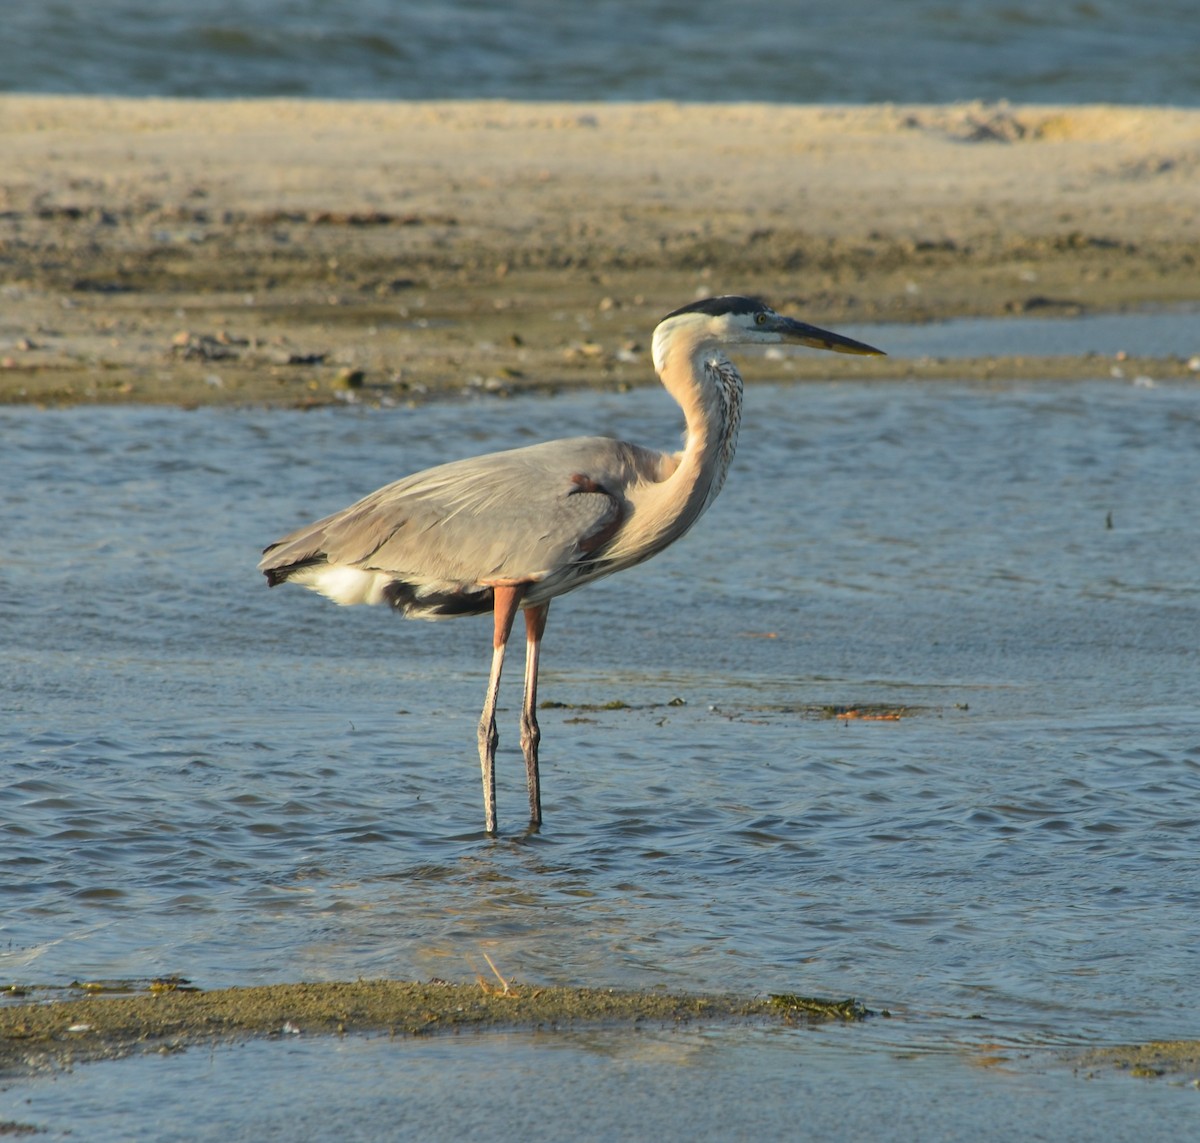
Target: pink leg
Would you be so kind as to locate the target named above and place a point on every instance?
(531, 735)
(507, 600)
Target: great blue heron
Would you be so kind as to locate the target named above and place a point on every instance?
(514, 529)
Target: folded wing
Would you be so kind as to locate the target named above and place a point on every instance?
(437, 542)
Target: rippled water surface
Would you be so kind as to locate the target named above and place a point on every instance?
(856, 51)
(239, 785)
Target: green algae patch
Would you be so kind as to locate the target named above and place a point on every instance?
(793, 1007)
(63, 1032)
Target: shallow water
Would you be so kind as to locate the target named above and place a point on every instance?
(206, 778)
(1139, 333)
(724, 1083)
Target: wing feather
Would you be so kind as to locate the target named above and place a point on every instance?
(514, 516)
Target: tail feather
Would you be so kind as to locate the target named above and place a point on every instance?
(278, 571)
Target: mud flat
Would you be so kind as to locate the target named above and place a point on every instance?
(169, 1018)
(294, 252)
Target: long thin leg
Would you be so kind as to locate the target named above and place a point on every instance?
(506, 602)
(531, 735)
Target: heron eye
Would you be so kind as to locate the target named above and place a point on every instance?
(761, 319)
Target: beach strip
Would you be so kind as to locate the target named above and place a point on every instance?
(292, 252)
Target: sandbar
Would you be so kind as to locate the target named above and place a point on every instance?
(295, 253)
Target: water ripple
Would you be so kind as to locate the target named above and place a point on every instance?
(206, 778)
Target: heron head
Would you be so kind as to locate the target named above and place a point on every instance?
(736, 320)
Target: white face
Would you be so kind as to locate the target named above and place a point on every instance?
(761, 327)
(698, 330)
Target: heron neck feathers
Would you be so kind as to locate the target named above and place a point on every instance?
(708, 389)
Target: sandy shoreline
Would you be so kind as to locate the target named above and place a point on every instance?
(284, 251)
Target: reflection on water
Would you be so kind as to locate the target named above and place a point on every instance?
(207, 778)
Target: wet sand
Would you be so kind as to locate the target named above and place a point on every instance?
(1171, 1058)
(287, 252)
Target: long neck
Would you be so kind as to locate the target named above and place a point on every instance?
(709, 391)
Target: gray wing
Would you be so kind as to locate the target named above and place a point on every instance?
(507, 517)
